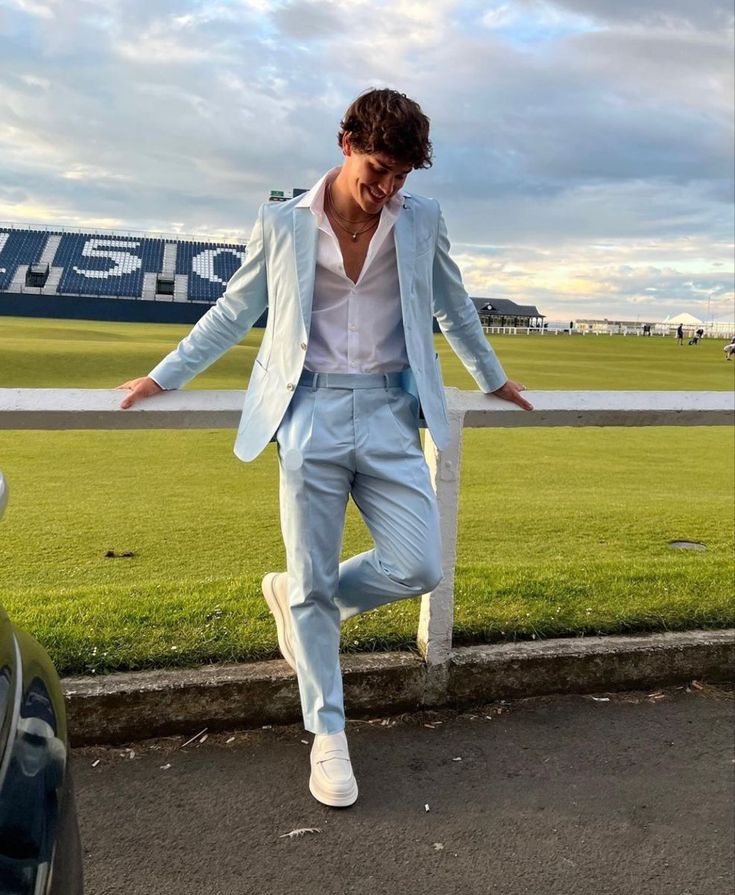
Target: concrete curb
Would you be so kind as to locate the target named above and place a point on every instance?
(132, 706)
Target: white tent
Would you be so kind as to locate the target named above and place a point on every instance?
(722, 329)
(685, 319)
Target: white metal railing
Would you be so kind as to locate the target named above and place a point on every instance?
(201, 409)
(711, 331)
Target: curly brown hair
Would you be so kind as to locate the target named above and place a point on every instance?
(388, 122)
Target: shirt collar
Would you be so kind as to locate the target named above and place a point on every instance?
(314, 199)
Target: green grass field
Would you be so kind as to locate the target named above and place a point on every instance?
(563, 532)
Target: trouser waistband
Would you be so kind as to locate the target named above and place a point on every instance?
(350, 380)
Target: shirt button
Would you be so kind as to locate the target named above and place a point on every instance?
(290, 386)
(352, 327)
(303, 346)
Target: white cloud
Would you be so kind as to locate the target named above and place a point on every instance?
(583, 147)
(34, 7)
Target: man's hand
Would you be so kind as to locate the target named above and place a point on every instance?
(140, 388)
(511, 391)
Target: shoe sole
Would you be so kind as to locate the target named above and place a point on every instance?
(269, 592)
(333, 801)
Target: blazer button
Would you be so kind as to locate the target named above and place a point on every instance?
(290, 386)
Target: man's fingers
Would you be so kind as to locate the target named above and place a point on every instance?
(511, 391)
(130, 399)
(138, 388)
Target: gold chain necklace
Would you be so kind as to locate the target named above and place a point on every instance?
(339, 219)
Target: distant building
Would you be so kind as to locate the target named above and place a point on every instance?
(718, 329)
(603, 325)
(504, 312)
(285, 195)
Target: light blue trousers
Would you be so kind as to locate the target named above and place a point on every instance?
(333, 443)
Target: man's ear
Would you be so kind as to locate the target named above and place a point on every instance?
(346, 144)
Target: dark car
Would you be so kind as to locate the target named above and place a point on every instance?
(40, 851)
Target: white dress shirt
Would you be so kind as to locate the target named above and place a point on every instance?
(355, 327)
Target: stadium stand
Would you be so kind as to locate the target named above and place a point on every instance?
(96, 265)
(19, 247)
(209, 267)
(112, 276)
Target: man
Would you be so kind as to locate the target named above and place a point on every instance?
(352, 274)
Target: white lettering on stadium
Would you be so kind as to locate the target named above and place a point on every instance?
(3, 240)
(125, 262)
(203, 263)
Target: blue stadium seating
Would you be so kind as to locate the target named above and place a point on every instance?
(106, 265)
(102, 275)
(20, 247)
(209, 266)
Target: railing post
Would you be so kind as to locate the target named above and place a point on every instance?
(437, 608)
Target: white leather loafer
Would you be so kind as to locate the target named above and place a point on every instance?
(332, 781)
(275, 591)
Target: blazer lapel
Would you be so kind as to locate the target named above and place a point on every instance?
(405, 252)
(305, 242)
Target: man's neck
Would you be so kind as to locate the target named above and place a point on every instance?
(342, 201)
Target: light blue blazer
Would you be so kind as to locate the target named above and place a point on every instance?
(278, 274)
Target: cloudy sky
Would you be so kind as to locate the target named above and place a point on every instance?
(583, 148)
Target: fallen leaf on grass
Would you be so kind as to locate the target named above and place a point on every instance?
(300, 832)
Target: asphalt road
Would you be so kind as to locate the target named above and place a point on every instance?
(569, 795)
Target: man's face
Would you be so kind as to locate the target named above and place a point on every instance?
(372, 178)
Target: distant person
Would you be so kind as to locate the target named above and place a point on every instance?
(352, 274)
(680, 334)
(696, 337)
(729, 349)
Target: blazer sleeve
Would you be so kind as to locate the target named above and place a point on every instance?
(458, 318)
(227, 322)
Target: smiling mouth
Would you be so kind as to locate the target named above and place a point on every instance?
(374, 196)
